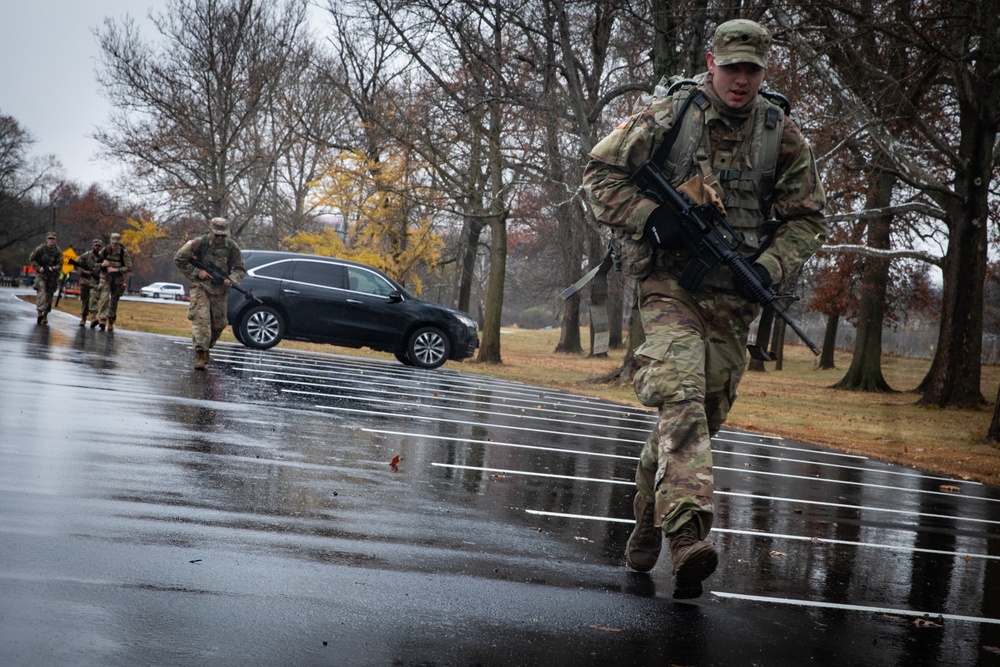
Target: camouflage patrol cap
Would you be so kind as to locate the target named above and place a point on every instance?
(741, 41)
(116, 237)
(219, 226)
(50, 235)
(98, 242)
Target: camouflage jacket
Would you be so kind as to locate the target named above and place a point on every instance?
(46, 261)
(116, 257)
(226, 256)
(798, 197)
(89, 261)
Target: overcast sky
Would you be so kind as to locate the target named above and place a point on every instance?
(48, 52)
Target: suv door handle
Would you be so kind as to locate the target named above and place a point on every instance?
(355, 301)
(290, 291)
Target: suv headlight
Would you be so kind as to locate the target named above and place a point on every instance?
(467, 321)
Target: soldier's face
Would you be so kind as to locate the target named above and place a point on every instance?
(735, 84)
(50, 243)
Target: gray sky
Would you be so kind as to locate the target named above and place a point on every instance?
(48, 52)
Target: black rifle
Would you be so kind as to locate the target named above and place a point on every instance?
(218, 277)
(699, 226)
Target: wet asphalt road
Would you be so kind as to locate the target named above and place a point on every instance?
(248, 515)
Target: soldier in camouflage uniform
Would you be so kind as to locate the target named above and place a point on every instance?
(207, 311)
(115, 265)
(90, 277)
(47, 260)
(695, 349)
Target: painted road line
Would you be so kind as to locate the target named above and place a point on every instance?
(783, 536)
(930, 615)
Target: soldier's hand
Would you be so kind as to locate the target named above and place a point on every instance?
(744, 291)
(663, 229)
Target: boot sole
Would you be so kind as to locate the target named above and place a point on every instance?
(694, 568)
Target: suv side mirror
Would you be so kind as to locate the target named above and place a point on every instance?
(395, 296)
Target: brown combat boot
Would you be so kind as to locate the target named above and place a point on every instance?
(93, 324)
(103, 324)
(200, 359)
(644, 544)
(83, 321)
(694, 560)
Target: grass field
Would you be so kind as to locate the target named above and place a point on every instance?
(796, 402)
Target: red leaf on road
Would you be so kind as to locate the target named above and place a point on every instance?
(394, 463)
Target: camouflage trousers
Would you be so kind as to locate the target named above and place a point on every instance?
(690, 366)
(44, 290)
(90, 300)
(208, 315)
(111, 291)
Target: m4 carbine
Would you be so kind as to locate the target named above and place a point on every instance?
(218, 277)
(699, 226)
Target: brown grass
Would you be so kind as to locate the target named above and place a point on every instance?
(795, 403)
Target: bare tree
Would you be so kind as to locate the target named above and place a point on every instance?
(193, 109)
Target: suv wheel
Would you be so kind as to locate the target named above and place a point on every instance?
(262, 327)
(403, 359)
(428, 347)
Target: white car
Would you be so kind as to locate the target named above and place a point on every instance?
(169, 291)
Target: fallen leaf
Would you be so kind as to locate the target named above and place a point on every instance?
(606, 628)
(925, 623)
(778, 553)
(992, 649)
(948, 488)
(394, 464)
(967, 559)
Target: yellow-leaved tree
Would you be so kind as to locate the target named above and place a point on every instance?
(139, 241)
(383, 217)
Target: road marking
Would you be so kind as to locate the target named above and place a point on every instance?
(501, 444)
(865, 508)
(797, 538)
(864, 484)
(930, 615)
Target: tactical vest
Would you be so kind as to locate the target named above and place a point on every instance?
(743, 164)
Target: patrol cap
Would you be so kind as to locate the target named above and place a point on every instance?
(219, 226)
(50, 235)
(741, 41)
(115, 237)
(98, 242)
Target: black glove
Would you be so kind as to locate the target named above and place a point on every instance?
(744, 290)
(663, 229)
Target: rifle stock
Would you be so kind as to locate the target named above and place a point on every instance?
(699, 226)
(218, 277)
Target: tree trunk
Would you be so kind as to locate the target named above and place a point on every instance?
(865, 372)
(829, 343)
(616, 303)
(956, 371)
(778, 344)
(489, 345)
(471, 231)
(993, 434)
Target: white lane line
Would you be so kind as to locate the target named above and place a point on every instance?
(835, 465)
(860, 508)
(480, 383)
(783, 536)
(410, 415)
(501, 471)
(498, 443)
(865, 508)
(439, 397)
(931, 615)
(786, 448)
(747, 471)
(510, 415)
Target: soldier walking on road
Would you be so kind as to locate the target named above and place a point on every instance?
(90, 281)
(47, 260)
(209, 299)
(115, 265)
(733, 144)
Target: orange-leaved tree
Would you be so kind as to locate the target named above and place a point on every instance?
(383, 216)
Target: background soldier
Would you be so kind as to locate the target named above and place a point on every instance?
(47, 260)
(208, 308)
(90, 281)
(695, 349)
(115, 265)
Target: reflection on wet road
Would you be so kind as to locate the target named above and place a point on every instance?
(250, 515)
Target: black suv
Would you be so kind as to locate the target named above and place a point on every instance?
(326, 300)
